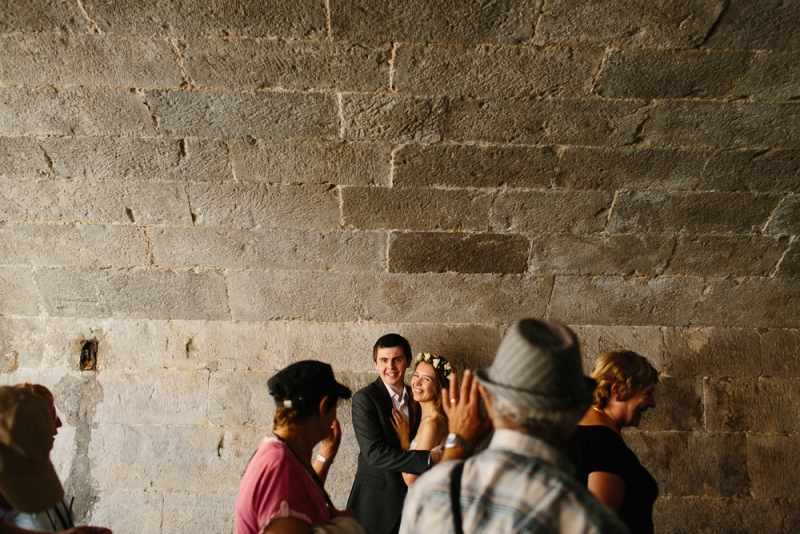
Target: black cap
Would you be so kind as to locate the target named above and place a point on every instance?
(305, 383)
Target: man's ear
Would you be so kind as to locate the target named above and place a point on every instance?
(615, 392)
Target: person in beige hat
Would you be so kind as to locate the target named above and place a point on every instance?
(534, 393)
(28, 480)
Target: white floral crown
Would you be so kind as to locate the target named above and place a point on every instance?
(439, 364)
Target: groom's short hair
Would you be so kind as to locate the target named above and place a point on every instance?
(392, 340)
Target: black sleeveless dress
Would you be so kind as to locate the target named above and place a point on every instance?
(598, 448)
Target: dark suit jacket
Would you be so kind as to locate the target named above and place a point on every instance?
(379, 489)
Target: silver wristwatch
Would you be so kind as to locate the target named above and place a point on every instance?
(454, 440)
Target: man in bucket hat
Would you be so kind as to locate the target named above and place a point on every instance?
(534, 392)
(28, 481)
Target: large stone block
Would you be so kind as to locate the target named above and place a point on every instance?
(630, 168)
(73, 111)
(762, 405)
(285, 18)
(81, 245)
(749, 303)
(632, 23)
(474, 166)
(691, 213)
(212, 345)
(189, 458)
(464, 346)
(129, 513)
(694, 463)
(134, 293)
(153, 397)
(355, 382)
(346, 346)
(789, 266)
(769, 24)
(18, 295)
(452, 298)
(713, 255)
(42, 15)
(771, 459)
(737, 124)
(22, 157)
(281, 295)
(645, 340)
(772, 76)
(9, 356)
(494, 71)
(415, 209)
(672, 74)
(791, 519)
(238, 398)
(780, 353)
(138, 159)
(55, 343)
(545, 121)
(459, 21)
(392, 119)
(679, 406)
(261, 248)
(261, 114)
(753, 170)
(259, 64)
(737, 515)
(623, 301)
(701, 352)
(421, 252)
(786, 219)
(208, 513)
(578, 212)
(269, 206)
(310, 162)
(340, 477)
(642, 255)
(88, 60)
(426, 298)
(101, 202)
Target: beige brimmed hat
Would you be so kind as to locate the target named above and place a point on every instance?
(28, 480)
(538, 365)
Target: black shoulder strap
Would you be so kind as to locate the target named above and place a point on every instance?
(455, 496)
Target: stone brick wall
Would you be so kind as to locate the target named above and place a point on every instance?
(213, 189)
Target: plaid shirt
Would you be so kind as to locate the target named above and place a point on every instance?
(519, 484)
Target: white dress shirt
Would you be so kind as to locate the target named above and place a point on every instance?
(400, 402)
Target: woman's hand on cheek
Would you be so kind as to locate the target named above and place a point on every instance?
(330, 445)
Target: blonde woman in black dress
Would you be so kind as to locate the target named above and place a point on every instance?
(610, 470)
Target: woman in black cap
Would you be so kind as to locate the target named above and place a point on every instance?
(611, 471)
(281, 490)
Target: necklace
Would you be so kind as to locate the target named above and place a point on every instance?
(598, 410)
(310, 472)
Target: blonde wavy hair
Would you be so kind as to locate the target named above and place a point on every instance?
(39, 390)
(629, 371)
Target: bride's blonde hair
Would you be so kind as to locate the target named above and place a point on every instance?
(442, 373)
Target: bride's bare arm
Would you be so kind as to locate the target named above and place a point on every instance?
(428, 436)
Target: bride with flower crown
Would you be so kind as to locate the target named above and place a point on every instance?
(431, 374)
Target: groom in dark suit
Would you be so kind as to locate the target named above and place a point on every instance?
(379, 489)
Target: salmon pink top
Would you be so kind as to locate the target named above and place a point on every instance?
(275, 484)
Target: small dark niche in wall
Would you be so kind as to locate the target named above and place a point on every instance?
(89, 356)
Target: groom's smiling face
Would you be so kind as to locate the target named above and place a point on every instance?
(391, 364)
